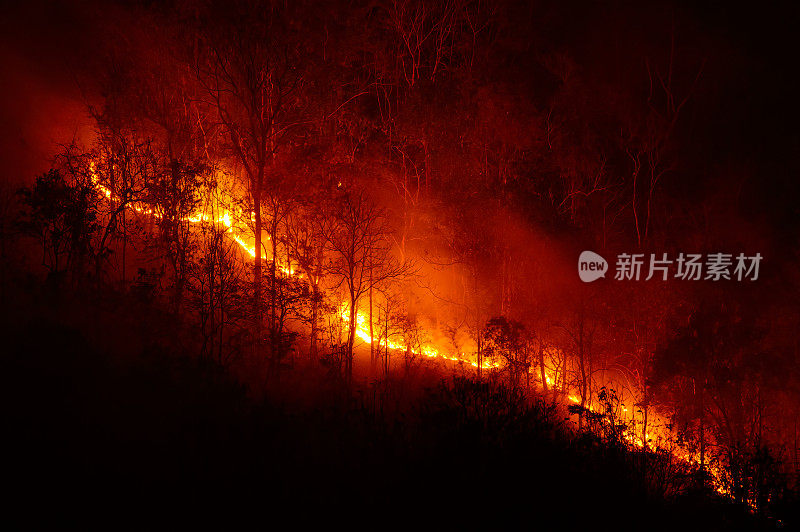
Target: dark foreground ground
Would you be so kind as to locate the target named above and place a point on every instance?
(110, 421)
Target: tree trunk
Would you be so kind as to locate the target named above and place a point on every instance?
(372, 360)
(257, 315)
(313, 343)
(387, 359)
(702, 436)
(582, 367)
(273, 274)
(351, 340)
(644, 426)
(480, 362)
(541, 368)
(257, 257)
(124, 246)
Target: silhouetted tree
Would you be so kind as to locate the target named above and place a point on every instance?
(360, 256)
(62, 215)
(507, 338)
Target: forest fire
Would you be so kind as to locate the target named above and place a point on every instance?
(242, 236)
(661, 439)
(362, 330)
(301, 257)
(200, 215)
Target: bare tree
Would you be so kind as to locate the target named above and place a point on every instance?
(648, 137)
(430, 34)
(163, 96)
(120, 167)
(358, 239)
(216, 281)
(247, 70)
(581, 330)
(304, 239)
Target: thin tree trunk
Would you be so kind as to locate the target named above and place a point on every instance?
(702, 435)
(351, 339)
(313, 344)
(541, 368)
(372, 360)
(124, 245)
(257, 258)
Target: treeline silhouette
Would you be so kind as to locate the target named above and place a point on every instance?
(112, 419)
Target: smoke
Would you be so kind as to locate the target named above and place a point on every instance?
(45, 48)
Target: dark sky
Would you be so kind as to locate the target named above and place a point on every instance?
(43, 53)
(750, 115)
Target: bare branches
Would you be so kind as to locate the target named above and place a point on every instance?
(360, 255)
